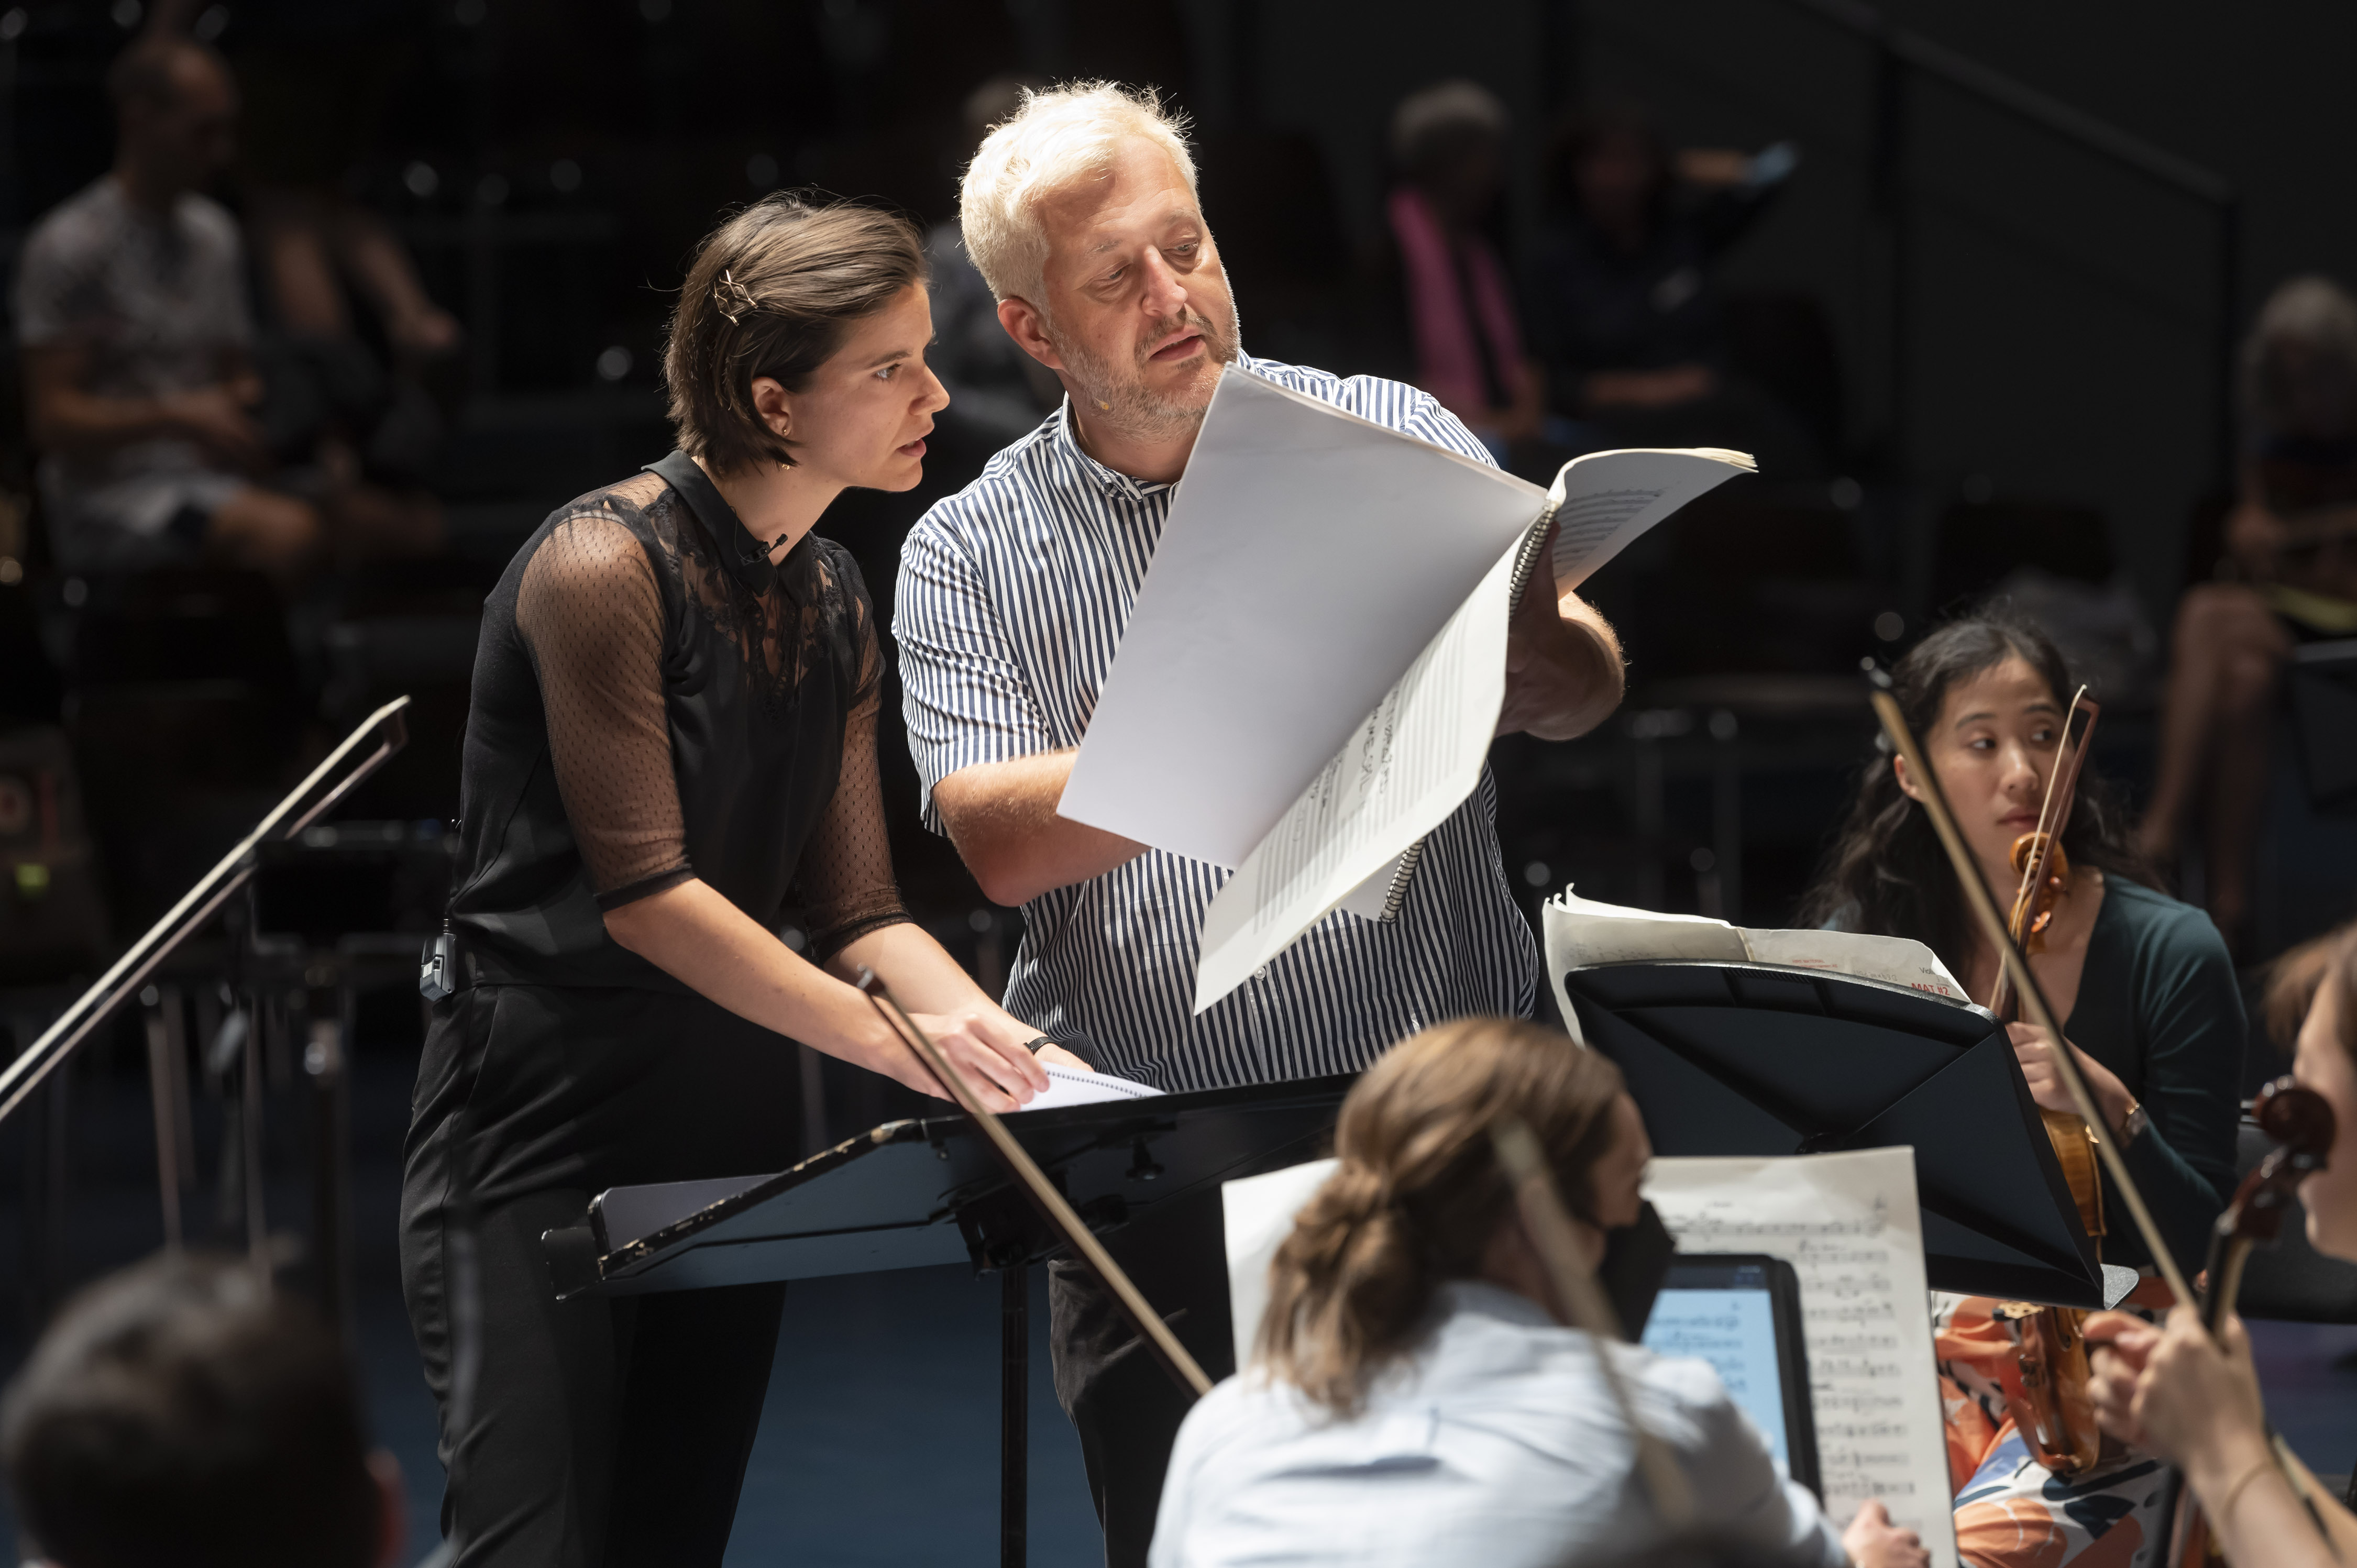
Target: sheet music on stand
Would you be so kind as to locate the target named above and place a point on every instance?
(1849, 1225)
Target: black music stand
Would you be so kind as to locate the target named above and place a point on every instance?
(912, 1194)
(1729, 1058)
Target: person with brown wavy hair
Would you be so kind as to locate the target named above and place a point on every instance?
(1415, 1397)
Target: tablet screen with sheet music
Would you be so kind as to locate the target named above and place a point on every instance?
(1742, 1313)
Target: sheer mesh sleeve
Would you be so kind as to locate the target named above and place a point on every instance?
(592, 618)
(846, 868)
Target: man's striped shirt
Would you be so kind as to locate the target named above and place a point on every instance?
(1012, 595)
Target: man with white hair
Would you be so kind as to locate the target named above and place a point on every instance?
(1081, 211)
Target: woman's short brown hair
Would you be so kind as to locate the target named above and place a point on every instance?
(2300, 974)
(772, 293)
(1419, 1193)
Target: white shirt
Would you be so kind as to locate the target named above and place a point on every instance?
(1498, 1445)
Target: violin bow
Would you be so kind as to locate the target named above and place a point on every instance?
(2053, 815)
(1548, 1225)
(1183, 1367)
(2016, 966)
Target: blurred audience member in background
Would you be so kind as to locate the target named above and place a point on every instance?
(1463, 336)
(141, 384)
(314, 80)
(1625, 314)
(2291, 576)
(181, 1415)
(131, 307)
(997, 393)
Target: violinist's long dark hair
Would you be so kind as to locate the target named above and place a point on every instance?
(1886, 874)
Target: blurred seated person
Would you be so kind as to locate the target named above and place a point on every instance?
(181, 1415)
(314, 83)
(1450, 290)
(140, 384)
(2289, 576)
(1415, 1397)
(1625, 313)
(997, 393)
(373, 421)
(2195, 1401)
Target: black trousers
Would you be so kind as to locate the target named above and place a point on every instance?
(1126, 1407)
(602, 1430)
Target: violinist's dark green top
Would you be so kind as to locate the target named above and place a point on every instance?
(2158, 1005)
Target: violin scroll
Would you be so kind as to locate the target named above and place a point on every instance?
(2298, 1119)
(2301, 1122)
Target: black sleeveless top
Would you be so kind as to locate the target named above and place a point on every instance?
(654, 700)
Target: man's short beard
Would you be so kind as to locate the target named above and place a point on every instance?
(1120, 396)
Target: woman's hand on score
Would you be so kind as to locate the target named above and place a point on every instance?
(1872, 1540)
(991, 1048)
(1053, 1055)
(2033, 1048)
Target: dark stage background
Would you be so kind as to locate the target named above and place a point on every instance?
(1992, 314)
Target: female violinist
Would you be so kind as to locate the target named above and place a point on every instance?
(2151, 1013)
(2195, 1401)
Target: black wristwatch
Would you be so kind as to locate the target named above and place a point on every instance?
(2133, 1125)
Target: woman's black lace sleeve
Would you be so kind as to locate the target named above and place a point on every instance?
(847, 869)
(592, 618)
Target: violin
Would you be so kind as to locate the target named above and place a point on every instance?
(2054, 1410)
(2300, 1122)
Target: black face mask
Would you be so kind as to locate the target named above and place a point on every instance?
(1636, 1260)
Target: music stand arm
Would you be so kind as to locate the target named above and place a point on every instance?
(1182, 1367)
(195, 907)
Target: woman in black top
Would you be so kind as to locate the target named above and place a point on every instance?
(671, 746)
(2149, 1007)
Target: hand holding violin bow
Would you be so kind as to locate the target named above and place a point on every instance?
(2188, 1392)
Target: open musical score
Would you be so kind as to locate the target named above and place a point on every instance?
(1849, 1226)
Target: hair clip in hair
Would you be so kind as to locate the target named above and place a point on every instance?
(732, 298)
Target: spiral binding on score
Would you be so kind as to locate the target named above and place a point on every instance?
(1398, 894)
(1527, 562)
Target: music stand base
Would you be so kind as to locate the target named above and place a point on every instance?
(1013, 1413)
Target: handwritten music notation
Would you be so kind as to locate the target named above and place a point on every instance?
(1848, 1225)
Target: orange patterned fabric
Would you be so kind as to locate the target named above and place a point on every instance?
(2011, 1512)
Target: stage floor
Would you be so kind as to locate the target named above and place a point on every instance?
(880, 1444)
